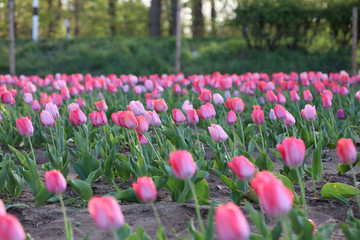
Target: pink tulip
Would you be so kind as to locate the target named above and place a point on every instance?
(280, 112)
(6, 97)
(326, 100)
(307, 96)
(55, 181)
(106, 213)
(25, 126)
(309, 112)
(72, 106)
(101, 106)
(28, 98)
(235, 104)
(160, 105)
(81, 102)
(257, 115)
(56, 99)
(346, 151)
(77, 117)
(314, 228)
(294, 97)
(2, 208)
(47, 119)
(44, 101)
(230, 223)
(343, 91)
(152, 118)
(35, 105)
(272, 115)
(204, 112)
(177, 89)
(145, 189)
(187, 106)
(292, 151)
(137, 90)
(65, 94)
(10, 228)
(192, 116)
(52, 108)
(182, 164)
(274, 196)
(217, 133)
(271, 97)
(357, 95)
(231, 118)
(150, 104)
(242, 167)
(205, 96)
(98, 119)
(218, 99)
(340, 114)
(178, 116)
(281, 99)
(137, 108)
(142, 125)
(289, 119)
(143, 140)
(212, 109)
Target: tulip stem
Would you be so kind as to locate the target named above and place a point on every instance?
(314, 186)
(242, 131)
(332, 118)
(356, 185)
(127, 132)
(227, 153)
(287, 131)
(158, 137)
(156, 213)
(52, 137)
(286, 227)
(314, 133)
(302, 190)
(87, 137)
(152, 146)
(262, 139)
(233, 128)
(102, 130)
(197, 135)
(67, 224)
(196, 205)
(32, 150)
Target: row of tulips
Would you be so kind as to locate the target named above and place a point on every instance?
(153, 136)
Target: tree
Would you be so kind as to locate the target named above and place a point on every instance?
(154, 20)
(112, 15)
(198, 19)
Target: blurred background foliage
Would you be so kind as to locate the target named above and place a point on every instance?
(113, 36)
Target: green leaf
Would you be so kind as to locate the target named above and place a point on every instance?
(264, 162)
(350, 232)
(127, 195)
(19, 205)
(289, 185)
(257, 219)
(82, 188)
(343, 168)
(276, 231)
(338, 189)
(210, 223)
(42, 196)
(124, 232)
(160, 233)
(324, 232)
(140, 234)
(3, 175)
(316, 164)
(202, 190)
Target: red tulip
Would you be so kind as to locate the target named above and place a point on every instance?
(128, 120)
(52, 108)
(182, 164)
(160, 105)
(145, 189)
(137, 108)
(152, 118)
(77, 117)
(25, 126)
(142, 125)
(343, 91)
(10, 228)
(44, 101)
(235, 104)
(143, 140)
(309, 112)
(294, 97)
(242, 167)
(217, 133)
(55, 181)
(101, 106)
(205, 96)
(346, 150)
(106, 213)
(258, 115)
(231, 118)
(307, 96)
(326, 100)
(178, 116)
(35, 105)
(192, 116)
(6, 97)
(47, 119)
(280, 112)
(292, 151)
(274, 196)
(98, 119)
(271, 97)
(230, 223)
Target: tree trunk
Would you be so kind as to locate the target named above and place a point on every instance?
(112, 15)
(77, 13)
(173, 17)
(213, 18)
(12, 38)
(51, 19)
(154, 20)
(198, 19)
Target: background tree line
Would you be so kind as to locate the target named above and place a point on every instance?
(262, 23)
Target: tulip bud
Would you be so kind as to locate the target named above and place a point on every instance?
(55, 181)
(160, 105)
(178, 116)
(346, 151)
(217, 133)
(145, 189)
(182, 164)
(242, 167)
(192, 116)
(10, 228)
(231, 118)
(309, 112)
(292, 151)
(47, 119)
(25, 126)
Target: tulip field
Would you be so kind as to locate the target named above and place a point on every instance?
(216, 156)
